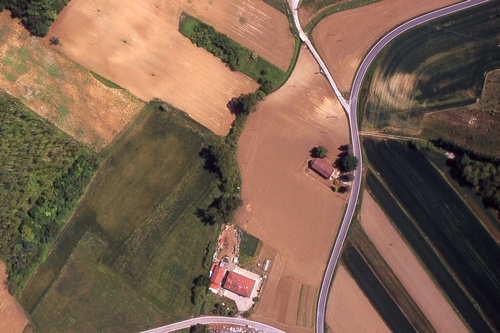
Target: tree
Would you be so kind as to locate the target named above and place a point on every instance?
(54, 40)
(320, 152)
(349, 163)
(199, 328)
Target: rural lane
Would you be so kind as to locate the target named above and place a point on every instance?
(351, 111)
(259, 327)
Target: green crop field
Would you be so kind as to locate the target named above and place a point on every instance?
(71, 301)
(142, 204)
(435, 66)
(469, 251)
(375, 291)
(249, 245)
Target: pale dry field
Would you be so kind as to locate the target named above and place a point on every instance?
(407, 268)
(60, 90)
(137, 45)
(286, 205)
(12, 318)
(344, 38)
(349, 310)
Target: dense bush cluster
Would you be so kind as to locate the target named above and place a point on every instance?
(43, 172)
(37, 16)
(477, 170)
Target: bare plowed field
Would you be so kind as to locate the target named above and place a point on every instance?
(138, 46)
(408, 269)
(60, 90)
(344, 38)
(12, 318)
(286, 205)
(349, 310)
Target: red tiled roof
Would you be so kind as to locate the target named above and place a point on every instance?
(239, 284)
(217, 276)
(322, 167)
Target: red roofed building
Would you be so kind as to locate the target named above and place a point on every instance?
(217, 276)
(239, 284)
(323, 168)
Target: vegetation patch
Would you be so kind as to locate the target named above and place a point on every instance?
(437, 213)
(435, 66)
(249, 245)
(143, 204)
(233, 54)
(43, 174)
(375, 291)
(105, 81)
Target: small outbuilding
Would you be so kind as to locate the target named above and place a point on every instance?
(239, 284)
(216, 278)
(323, 168)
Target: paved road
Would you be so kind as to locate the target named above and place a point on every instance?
(350, 109)
(215, 320)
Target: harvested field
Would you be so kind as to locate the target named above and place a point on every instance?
(108, 37)
(60, 90)
(343, 44)
(286, 205)
(408, 269)
(349, 310)
(12, 318)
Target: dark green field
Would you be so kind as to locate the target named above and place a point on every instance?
(249, 245)
(445, 62)
(470, 252)
(375, 292)
(142, 205)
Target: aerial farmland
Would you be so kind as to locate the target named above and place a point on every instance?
(252, 165)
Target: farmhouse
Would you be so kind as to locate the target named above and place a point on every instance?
(239, 284)
(323, 168)
(216, 278)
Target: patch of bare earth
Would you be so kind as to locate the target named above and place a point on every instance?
(58, 89)
(289, 207)
(345, 37)
(138, 46)
(408, 269)
(12, 317)
(349, 310)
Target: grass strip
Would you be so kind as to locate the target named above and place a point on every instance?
(388, 279)
(375, 291)
(335, 9)
(105, 81)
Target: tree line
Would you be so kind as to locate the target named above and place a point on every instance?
(43, 173)
(36, 16)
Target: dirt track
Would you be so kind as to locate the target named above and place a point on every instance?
(345, 37)
(12, 318)
(408, 269)
(349, 310)
(286, 205)
(137, 45)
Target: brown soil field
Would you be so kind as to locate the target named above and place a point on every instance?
(307, 13)
(349, 310)
(408, 269)
(12, 318)
(345, 37)
(286, 205)
(60, 90)
(138, 46)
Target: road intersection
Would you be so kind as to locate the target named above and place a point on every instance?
(350, 108)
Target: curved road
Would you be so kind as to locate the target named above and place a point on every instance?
(350, 108)
(215, 320)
